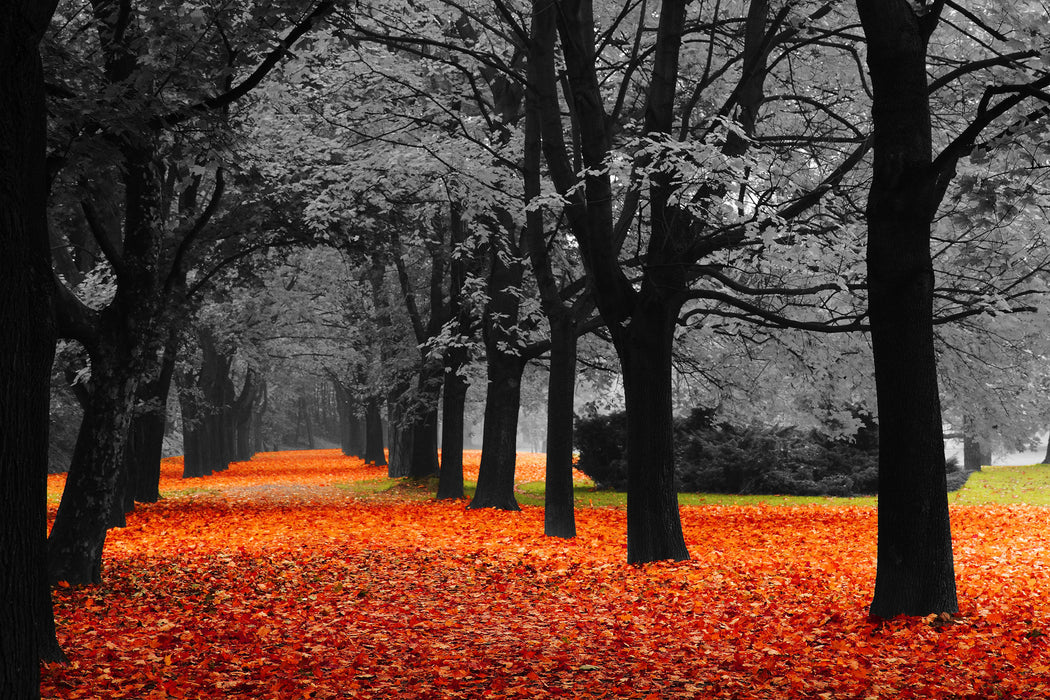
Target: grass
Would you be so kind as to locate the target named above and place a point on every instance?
(587, 496)
(1006, 485)
(994, 485)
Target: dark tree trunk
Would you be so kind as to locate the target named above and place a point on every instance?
(308, 424)
(915, 573)
(27, 628)
(241, 411)
(358, 435)
(654, 529)
(209, 441)
(258, 411)
(346, 417)
(146, 438)
(499, 439)
(84, 513)
(641, 321)
(973, 455)
(424, 461)
(454, 393)
(976, 448)
(400, 434)
(559, 518)
(503, 394)
(453, 402)
(374, 453)
(192, 428)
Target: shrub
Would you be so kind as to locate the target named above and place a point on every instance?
(723, 458)
(602, 444)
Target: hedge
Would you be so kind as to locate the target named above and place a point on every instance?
(715, 457)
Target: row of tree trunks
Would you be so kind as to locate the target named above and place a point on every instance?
(216, 423)
(124, 340)
(360, 425)
(89, 499)
(26, 286)
(374, 452)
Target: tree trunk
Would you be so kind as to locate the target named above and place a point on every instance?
(374, 453)
(304, 411)
(400, 434)
(424, 461)
(27, 628)
(915, 573)
(559, 518)
(976, 451)
(241, 411)
(499, 440)
(79, 532)
(192, 428)
(146, 438)
(453, 402)
(654, 529)
(559, 504)
(342, 405)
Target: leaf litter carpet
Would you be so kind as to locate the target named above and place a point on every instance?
(269, 581)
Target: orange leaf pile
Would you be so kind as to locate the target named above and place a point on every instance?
(275, 593)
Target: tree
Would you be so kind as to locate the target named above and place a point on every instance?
(682, 196)
(26, 618)
(127, 219)
(915, 574)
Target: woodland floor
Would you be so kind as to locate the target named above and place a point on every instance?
(295, 576)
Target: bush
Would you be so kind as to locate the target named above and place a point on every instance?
(722, 458)
(604, 457)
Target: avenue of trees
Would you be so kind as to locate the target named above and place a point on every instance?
(388, 222)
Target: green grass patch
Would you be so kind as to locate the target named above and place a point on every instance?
(190, 492)
(1006, 485)
(994, 485)
(411, 489)
(588, 496)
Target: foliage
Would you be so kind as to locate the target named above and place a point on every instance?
(229, 596)
(726, 458)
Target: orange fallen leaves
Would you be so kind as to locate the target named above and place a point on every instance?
(216, 596)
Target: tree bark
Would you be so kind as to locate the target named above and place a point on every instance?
(499, 439)
(374, 453)
(27, 629)
(241, 411)
(654, 529)
(424, 460)
(192, 427)
(146, 438)
(501, 335)
(453, 403)
(342, 404)
(454, 393)
(85, 511)
(559, 517)
(400, 433)
(915, 572)
(976, 448)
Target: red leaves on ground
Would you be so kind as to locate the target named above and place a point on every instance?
(293, 596)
